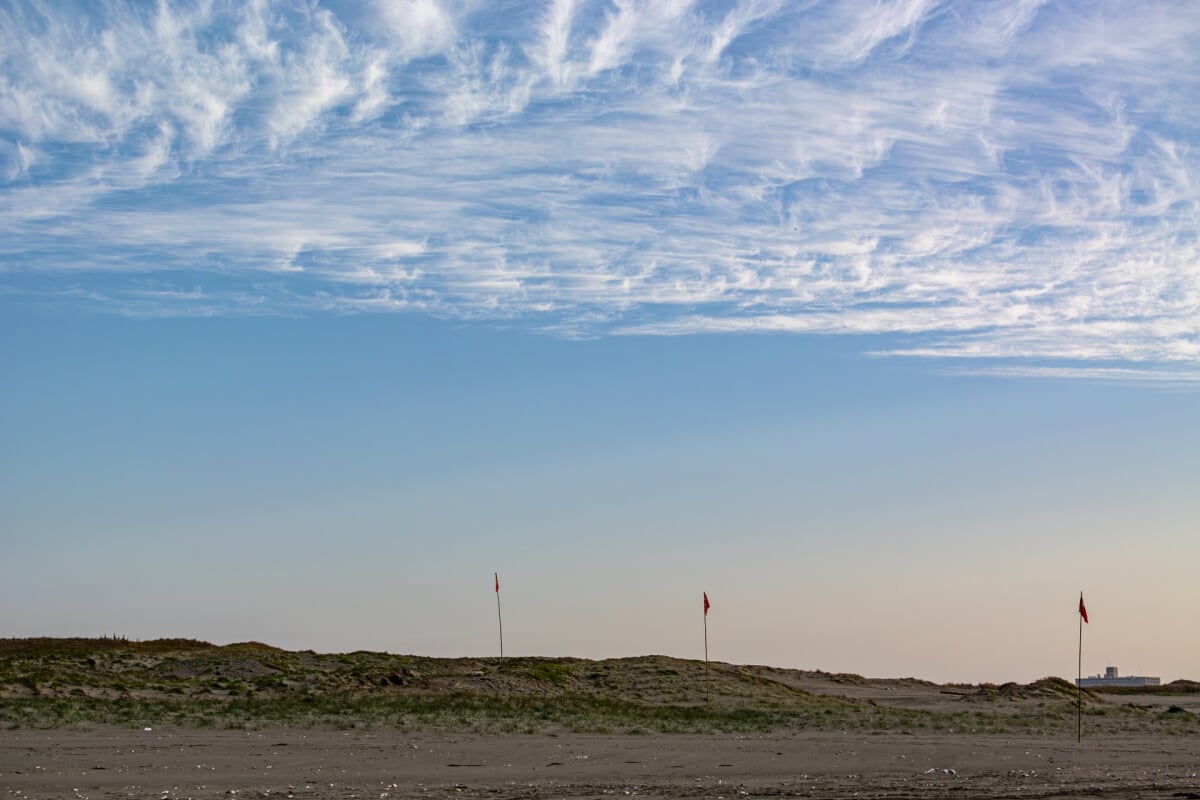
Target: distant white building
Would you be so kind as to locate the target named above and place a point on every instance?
(1110, 678)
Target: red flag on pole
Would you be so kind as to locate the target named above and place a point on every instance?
(497, 583)
(1082, 608)
(706, 604)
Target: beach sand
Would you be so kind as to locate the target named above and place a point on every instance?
(328, 763)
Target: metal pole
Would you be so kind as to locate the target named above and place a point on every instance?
(1079, 683)
(499, 618)
(707, 680)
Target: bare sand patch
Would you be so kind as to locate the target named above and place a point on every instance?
(324, 763)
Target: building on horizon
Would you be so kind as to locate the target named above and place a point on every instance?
(1110, 678)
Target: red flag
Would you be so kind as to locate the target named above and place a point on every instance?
(1082, 608)
(706, 604)
(497, 583)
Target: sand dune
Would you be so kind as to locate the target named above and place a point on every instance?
(179, 718)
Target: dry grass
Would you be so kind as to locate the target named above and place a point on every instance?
(49, 683)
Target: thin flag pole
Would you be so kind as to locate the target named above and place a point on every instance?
(1079, 685)
(707, 679)
(499, 618)
(1079, 674)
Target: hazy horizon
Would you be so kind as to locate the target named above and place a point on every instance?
(879, 322)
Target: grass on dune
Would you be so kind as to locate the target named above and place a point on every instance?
(55, 683)
(574, 713)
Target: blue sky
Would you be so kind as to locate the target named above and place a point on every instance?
(877, 320)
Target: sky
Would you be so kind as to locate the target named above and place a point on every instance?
(877, 321)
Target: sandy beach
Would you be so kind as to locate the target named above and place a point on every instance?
(106, 763)
(182, 719)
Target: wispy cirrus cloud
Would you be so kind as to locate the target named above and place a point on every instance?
(1012, 180)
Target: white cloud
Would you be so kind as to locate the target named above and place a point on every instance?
(552, 49)
(868, 24)
(736, 22)
(610, 47)
(1019, 180)
(417, 28)
(374, 97)
(1187, 378)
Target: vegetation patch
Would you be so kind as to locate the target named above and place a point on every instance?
(56, 683)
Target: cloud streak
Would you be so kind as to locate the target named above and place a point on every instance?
(1013, 180)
